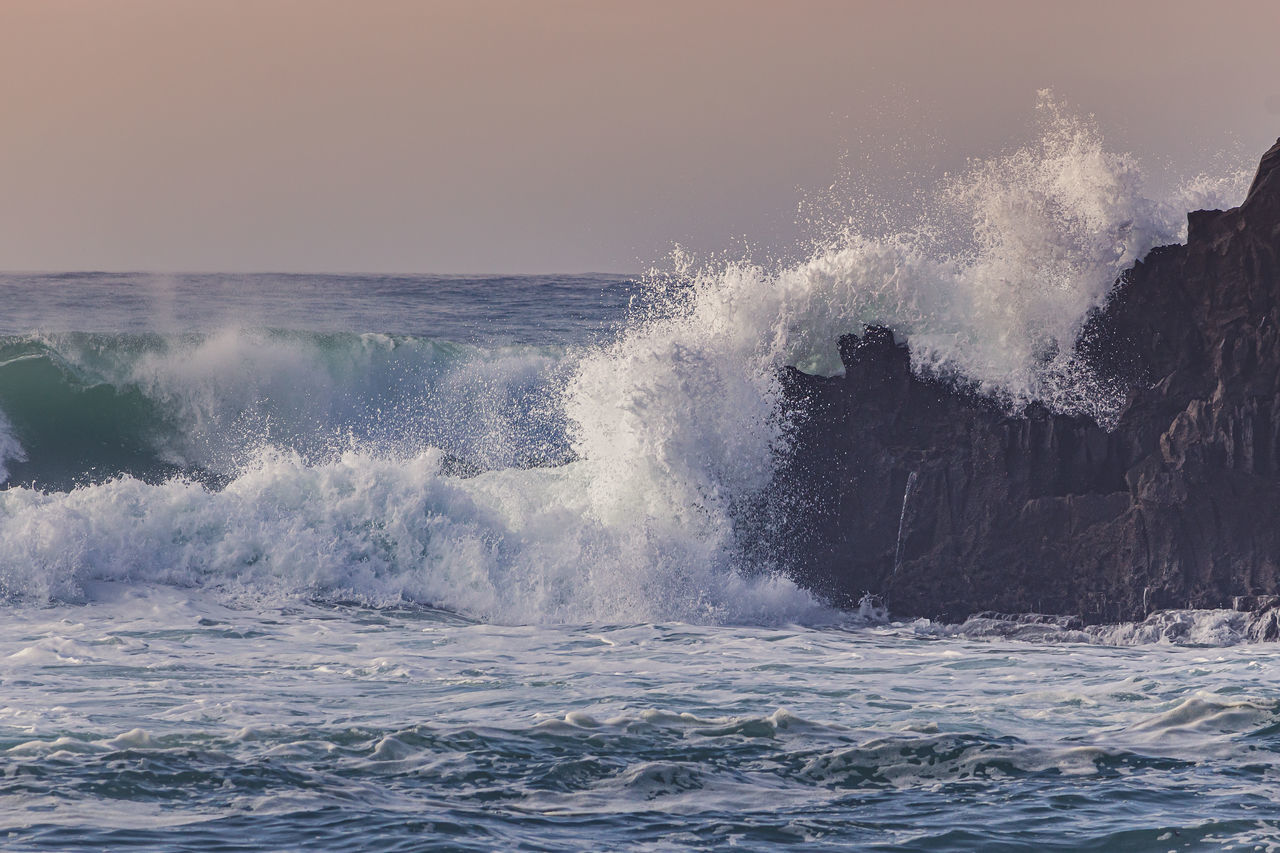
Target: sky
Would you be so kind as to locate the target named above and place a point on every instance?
(499, 136)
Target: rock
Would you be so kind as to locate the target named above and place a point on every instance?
(1254, 603)
(945, 505)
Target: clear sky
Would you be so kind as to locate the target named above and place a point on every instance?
(556, 135)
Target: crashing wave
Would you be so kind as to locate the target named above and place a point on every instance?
(332, 451)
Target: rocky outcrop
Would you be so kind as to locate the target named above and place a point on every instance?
(946, 505)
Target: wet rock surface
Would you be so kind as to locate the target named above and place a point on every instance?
(946, 505)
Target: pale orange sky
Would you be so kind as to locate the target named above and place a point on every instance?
(552, 135)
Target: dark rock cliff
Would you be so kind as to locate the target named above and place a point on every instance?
(945, 505)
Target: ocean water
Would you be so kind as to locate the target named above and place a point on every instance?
(481, 563)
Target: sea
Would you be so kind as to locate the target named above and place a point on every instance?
(422, 562)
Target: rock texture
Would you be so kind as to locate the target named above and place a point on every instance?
(945, 505)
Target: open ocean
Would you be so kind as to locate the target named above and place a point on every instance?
(423, 562)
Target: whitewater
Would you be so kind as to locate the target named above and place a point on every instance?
(394, 562)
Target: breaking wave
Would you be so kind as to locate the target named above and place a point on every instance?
(605, 482)
(82, 407)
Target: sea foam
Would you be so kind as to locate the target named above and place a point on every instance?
(10, 448)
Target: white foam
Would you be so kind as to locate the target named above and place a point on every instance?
(993, 287)
(1165, 627)
(510, 545)
(11, 449)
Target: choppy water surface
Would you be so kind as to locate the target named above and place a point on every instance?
(155, 718)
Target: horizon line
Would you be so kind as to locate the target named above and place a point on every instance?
(335, 273)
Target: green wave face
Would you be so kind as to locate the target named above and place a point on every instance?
(70, 431)
(79, 408)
